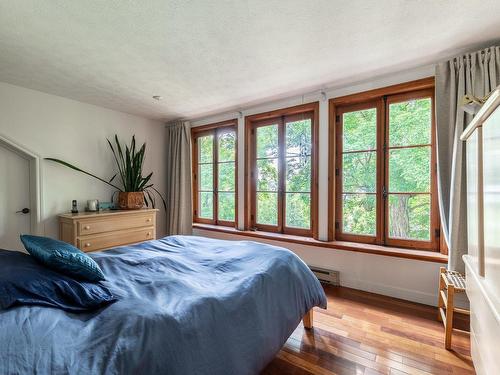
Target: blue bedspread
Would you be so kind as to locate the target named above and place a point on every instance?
(187, 305)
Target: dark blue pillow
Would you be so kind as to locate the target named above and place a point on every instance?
(23, 281)
(62, 257)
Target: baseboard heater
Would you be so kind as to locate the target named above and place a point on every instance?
(326, 276)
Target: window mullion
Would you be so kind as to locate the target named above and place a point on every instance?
(215, 176)
(281, 175)
(384, 129)
(196, 198)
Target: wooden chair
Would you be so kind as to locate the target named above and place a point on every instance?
(450, 282)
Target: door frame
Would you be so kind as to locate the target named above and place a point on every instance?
(35, 182)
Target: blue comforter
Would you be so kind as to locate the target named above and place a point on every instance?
(187, 305)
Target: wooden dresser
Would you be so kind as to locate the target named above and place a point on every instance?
(91, 231)
(482, 263)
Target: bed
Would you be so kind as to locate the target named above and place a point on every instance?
(187, 305)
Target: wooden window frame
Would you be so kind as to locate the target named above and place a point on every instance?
(379, 99)
(213, 129)
(253, 121)
(377, 239)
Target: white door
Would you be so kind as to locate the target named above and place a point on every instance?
(14, 198)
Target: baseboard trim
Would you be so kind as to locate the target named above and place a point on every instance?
(390, 290)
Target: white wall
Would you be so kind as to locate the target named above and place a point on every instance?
(401, 278)
(52, 126)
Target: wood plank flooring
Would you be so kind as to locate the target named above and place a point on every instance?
(365, 333)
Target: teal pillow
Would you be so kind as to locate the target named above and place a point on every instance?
(62, 257)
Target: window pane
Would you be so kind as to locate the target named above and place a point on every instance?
(206, 149)
(267, 208)
(226, 208)
(359, 170)
(267, 141)
(226, 180)
(298, 174)
(409, 216)
(298, 138)
(227, 146)
(360, 130)
(206, 173)
(206, 206)
(410, 170)
(359, 214)
(267, 175)
(410, 122)
(298, 210)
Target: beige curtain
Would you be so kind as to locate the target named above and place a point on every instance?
(178, 194)
(476, 73)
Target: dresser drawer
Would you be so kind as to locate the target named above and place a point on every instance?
(103, 241)
(91, 231)
(119, 222)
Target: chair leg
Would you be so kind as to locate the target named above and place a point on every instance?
(449, 316)
(441, 287)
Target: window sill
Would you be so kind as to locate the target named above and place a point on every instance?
(424, 255)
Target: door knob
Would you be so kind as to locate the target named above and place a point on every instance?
(23, 211)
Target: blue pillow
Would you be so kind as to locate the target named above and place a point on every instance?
(23, 281)
(62, 257)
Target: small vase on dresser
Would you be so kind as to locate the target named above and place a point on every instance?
(91, 231)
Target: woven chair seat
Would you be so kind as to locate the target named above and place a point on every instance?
(456, 279)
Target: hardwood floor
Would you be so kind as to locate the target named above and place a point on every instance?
(365, 333)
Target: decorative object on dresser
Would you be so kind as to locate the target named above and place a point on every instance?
(482, 263)
(136, 189)
(91, 231)
(93, 205)
(107, 206)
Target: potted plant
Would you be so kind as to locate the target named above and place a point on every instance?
(136, 189)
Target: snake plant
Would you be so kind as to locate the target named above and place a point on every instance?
(129, 161)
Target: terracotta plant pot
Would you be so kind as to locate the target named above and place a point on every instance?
(130, 200)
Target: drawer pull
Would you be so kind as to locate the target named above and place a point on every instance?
(148, 220)
(86, 227)
(148, 234)
(87, 244)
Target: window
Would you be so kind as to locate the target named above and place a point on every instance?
(385, 174)
(215, 174)
(282, 176)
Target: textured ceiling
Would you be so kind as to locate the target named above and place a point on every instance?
(205, 56)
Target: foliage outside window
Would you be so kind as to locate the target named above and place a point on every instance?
(282, 170)
(214, 173)
(385, 174)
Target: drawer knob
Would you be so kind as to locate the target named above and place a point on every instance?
(87, 244)
(148, 220)
(148, 234)
(86, 227)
